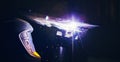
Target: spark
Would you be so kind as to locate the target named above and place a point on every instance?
(71, 26)
(61, 49)
(59, 33)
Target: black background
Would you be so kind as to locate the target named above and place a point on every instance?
(101, 42)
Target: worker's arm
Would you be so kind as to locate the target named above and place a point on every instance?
(26, 38)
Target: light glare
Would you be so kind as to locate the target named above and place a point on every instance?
(71, 27)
